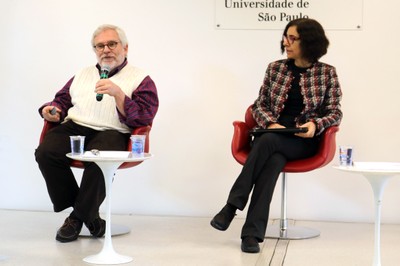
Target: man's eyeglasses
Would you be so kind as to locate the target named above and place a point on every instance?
(290, 39)
(100, 46)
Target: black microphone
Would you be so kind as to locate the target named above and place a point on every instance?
(105, 70)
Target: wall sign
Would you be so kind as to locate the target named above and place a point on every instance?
(275, 14)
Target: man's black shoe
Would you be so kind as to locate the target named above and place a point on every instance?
(97, 227)
(223, 219)
(70, 230)
(250, 245)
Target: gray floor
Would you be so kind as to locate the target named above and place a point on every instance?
(27, 238)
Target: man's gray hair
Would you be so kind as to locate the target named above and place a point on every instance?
(120, 32)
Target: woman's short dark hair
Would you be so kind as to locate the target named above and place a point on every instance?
(313, 41)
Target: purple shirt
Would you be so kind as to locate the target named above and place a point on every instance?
(140, 109)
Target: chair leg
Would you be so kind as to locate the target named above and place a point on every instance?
(284, 231)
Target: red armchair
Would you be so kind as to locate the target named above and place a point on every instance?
(240, 149)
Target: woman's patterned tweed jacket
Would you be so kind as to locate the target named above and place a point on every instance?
(320, 89)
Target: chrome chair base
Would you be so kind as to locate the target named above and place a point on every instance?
(291, 232)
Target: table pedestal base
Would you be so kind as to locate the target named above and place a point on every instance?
(107, 254)
(378, 183)
(107, 257)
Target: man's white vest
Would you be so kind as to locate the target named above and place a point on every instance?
(87, 111)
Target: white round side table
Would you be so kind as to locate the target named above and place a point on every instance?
(377, 174)
(108, 161)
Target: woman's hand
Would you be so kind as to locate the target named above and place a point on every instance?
(275, 125)
(311, 130)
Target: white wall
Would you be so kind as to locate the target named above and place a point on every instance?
(206, 78)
